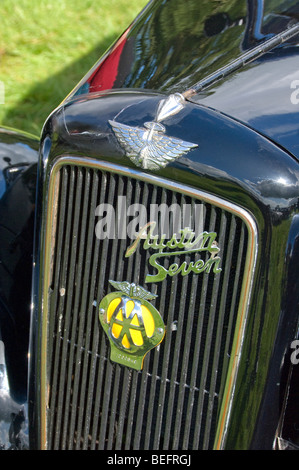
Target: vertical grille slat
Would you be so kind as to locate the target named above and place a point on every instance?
(173, 403)
(85, 304)
(62, 321)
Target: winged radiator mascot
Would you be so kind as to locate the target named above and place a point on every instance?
(148, 147)
(133, 290)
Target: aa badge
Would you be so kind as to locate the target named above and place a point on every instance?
(132, 325)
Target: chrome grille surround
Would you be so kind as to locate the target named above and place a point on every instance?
(115, 399)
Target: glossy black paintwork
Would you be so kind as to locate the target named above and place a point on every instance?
(177, 44)
(174, 43)
(18, 159)
(17, 152)
(289, 378)
(227, 151)
(241, 166)
(268, 105)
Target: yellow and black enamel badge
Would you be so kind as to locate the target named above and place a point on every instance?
(132, 324)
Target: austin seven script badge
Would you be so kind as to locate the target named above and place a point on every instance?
(132, 324)
(148, 147)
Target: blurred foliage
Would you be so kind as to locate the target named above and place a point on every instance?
(47, 46)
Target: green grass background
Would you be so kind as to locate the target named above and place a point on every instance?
(47, 46)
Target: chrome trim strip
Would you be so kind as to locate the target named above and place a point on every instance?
(243, 60)
(49, 230)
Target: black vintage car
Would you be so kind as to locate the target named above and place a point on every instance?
(149, 338)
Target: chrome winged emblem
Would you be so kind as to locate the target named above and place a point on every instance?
(147, 146)
(133, 290)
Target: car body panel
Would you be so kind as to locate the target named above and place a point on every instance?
(239, 165)
(168, 62)
(19, 157)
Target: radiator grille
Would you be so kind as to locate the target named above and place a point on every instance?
(173, 403)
